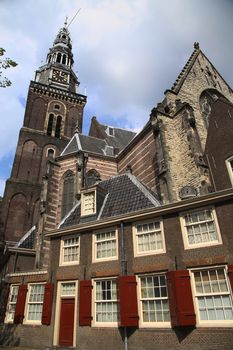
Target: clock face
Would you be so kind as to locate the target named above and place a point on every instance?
(60, 76)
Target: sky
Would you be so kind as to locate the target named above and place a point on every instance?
(126, 52)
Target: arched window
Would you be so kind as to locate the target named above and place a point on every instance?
(206, 101)
(64, 59)
(58, 57)
(58, 126)
(51, 153)
(68, 193)
(50, 125)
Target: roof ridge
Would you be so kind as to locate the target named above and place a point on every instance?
(116, 127)
(68, 214)
(144, 190)
(73, 137)
(25, 236)
(186, 69)
(102, 207)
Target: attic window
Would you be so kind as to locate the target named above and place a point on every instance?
(110, 131)
(88, 203)
(109, 151)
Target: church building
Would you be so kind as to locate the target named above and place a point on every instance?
(118, 240)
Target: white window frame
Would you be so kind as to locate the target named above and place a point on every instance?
(83, 194)
(94, 304)
(229, 168)
(183, 225)
(11, 303)
(26, 320)
(143, 324)
(210, 323)
(59, 297)
(95, 244)
(63, 247)
(136, 234)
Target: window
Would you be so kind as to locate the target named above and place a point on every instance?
(105, 302)
(88, 203)
(68, 289)
(57, 107)
(105, 245)
(10, 312)
(200, 228)
(213, 299)
(69, 250)
(35, 303)
(50, 125)
(58, 126)
(68, 193)
(148, 238)
(154, 306)
(110, 131)
(229, 163)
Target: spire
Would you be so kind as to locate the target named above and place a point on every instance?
(57, 71)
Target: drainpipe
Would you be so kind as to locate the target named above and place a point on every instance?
(123, 272)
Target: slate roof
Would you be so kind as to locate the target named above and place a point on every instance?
(125, 194)
(27, 241)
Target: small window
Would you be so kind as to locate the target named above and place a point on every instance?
(148, 238)
(105, 302)
(50, 125)
(88, 203)
(58, 126)
(110, 131)
(213, 299)
(109, 151)
(64, 59)
(50, 153)
(57, 107)
(68, 289)
(200, 228)
(154, 305)
(105, 245)
(229, 163)
(70, 251)
(35, 303)
(10, 311)
(58, 58)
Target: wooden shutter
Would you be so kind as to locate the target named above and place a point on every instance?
(128, 301)
(47, 304)
(20, 304)
(180, 299)
(230, 275)
(4, 302)
(85, 298)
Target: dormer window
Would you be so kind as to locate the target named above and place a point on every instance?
(88, 203)
(110, 131)
(109, 151)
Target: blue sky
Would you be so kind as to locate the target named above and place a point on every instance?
(127, 53)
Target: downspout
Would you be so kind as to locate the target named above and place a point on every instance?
(124, 272)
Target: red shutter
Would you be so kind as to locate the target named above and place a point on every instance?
(230, 275)
(4, 302)
(85, 291)
(47, 304)
(128, 301)
(180, 299)
(20, 304)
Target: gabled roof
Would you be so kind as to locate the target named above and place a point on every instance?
(119, 138)
(186, 69)
(125, 194)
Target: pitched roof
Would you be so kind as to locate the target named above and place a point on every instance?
(27, 241)
(125, 194)
(115, 137)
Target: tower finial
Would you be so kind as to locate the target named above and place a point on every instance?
(65, 23)
(196, 45)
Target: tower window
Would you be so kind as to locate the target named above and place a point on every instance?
(51, 153)
(57, 107)
(64, 59)
(68, 193)
(58, 58)
(58, 126)
(50, 125)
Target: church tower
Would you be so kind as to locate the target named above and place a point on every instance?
(54, 110)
